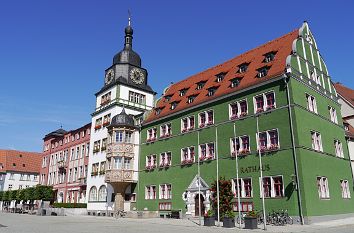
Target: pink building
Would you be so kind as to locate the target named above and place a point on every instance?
(64, 163)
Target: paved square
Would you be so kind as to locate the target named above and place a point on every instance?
(16, 223)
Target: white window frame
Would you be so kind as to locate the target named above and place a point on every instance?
(323, 187)
(241, 150)
(207, 148)
(153, 134)
(344, 184)
(333, 114)
(272, 190)
(316, 137)
(338, 147)
(168, 130)
(151, 196)
(189, 126)
(269, 145)
(239, 112)
(190, 157)
(153, 161)
(207, 122)
(165, 196)
(242, 191)
(265, 106)
(311, 103)
(164, 157)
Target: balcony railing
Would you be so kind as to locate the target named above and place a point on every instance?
(125, 149)
(113, 176)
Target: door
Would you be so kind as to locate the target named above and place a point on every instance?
(196, 213)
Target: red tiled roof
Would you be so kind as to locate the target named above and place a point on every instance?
(350, 132)
(346, 92)
(20, 161)
(255, 57)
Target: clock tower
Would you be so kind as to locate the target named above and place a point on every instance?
(114, 140)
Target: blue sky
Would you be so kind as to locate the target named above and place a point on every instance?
(53, 53)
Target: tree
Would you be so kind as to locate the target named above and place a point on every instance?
(225, 196)
(1, 195)
(20, 195)
(43, 192)
(29, 194)
(5, 196)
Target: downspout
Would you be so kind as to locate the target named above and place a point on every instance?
(286, 80)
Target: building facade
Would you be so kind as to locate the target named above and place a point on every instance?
(64, 163)
(275, 102)
(114, 145)
(346, 99)
(18, 169)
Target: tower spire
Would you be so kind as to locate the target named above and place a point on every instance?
(128, 34)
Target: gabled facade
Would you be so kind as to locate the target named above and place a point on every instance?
(114, 148)
(64, 163)
(276, 101)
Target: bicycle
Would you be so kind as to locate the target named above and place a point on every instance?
(120, 214)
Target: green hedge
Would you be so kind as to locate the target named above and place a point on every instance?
(39, 192)
(69, 205)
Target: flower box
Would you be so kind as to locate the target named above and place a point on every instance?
(106, 123)
(263, 149)
(191, 128)
(233, 154)
(269, 107)
(273, 147)
(228, 222)
(98, 126)
(209, 221)
(184, 130)
(234, 117)
(103, 148)
(201, 125)
(259, 110)
(210, 123)
(243, 114)
(250, 222)
(202, 158)
(94, 173)
(244, 152)
(102, 172)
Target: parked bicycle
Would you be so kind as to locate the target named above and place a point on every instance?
(280, 218)
(120, 214)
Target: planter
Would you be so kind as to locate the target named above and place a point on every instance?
(229, 222)
(250, 222)
(209, 221)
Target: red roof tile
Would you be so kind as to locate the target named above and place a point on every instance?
(20, 161)
(346, 92)
(255, 57)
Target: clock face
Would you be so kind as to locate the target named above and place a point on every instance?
(137, 76)
(109, 76)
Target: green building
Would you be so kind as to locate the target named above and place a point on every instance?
(284, 88)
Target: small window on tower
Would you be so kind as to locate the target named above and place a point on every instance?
(173, 105)
(211, 91)
(262, 72)
(235, 82)
(191, 98)
(182, 92)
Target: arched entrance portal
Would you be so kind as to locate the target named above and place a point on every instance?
(202, 207)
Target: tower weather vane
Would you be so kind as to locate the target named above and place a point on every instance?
(129, 18)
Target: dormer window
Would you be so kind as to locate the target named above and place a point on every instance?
(262, 72)
(182, 92)
(243, 68)
(235, 82)
(168, 98)
(158, 111)
(211, 91)
(191, 98)
(268, 57)
(220, 77)
(173, 105)
(200, 85)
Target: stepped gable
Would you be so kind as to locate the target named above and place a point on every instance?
(282, 46)
(20, 161)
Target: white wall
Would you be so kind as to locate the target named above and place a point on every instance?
(15, 180)
(346, 109)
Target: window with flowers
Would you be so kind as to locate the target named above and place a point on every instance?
(272, 187)
(150, 162)
(268, 140)
(206, 118)
(237, 109)
(206, 151)
(151, 134)
(96, 146)
(165, 191)
(240, 146)
(106, 119)
(150, 192)
(264, 102)
(243, 186)
(165, 159)
(165, 130)
(98, 123)
(106, 99)
(187, 155)
(187, 124)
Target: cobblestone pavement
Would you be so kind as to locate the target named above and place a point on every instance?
(16, 223)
